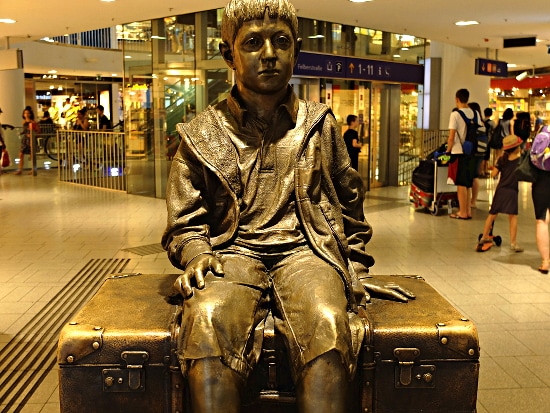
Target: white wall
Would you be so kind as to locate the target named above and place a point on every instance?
(457, 72)
(39, 57)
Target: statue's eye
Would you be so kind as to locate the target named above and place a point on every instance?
(282, 41)
(253, 43)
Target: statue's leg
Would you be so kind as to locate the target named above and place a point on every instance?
(219, 342)
(323, 385)
(214, 387)
(310, 310)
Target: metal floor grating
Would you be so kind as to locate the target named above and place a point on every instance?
(145, 249)
(31, 354)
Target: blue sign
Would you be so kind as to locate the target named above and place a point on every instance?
(320, 65)
(488, 67)
(340, 67)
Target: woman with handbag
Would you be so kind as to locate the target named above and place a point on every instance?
(541, 201)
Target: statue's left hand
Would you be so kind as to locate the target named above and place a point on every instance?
(387, 290)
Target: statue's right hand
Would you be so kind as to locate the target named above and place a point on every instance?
(196, 270)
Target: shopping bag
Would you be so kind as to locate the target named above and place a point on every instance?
(452, 170)
(5, 159)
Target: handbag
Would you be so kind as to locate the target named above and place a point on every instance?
(526, 171)
(5, 159)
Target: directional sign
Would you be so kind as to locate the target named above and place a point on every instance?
(341, 67)
(488, 67)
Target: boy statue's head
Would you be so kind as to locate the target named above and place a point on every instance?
(237, 12)
(260, 43)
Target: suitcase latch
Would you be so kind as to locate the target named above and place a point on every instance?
(409, 375)
(130, 379)
(406, 357)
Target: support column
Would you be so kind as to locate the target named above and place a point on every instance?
(12, 100)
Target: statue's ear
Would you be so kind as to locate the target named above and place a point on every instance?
(226, 53)
(297, 49)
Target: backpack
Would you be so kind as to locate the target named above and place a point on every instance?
(522, 125)
(540, 150)
(497, 135)
(476, 140)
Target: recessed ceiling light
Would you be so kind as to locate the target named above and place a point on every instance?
(466, 23)
(8, 21)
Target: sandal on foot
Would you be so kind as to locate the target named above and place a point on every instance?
(456, 216)
(544, 266)
(484, 245)
(515, 248)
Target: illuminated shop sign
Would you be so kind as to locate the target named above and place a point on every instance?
(341, 67)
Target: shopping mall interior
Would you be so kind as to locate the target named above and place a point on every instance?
(73, 219)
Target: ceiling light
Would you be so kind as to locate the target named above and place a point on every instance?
(158, 37)
(8, 21)
(466, 23)
(316, 36)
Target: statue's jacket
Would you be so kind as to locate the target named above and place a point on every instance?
(204, 192)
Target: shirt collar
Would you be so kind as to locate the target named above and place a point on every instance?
(237, 109)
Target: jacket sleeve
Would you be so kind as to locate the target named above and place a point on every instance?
(187, 232)
(350, 193)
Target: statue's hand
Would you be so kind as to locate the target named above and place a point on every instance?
(194, 274)
(387, 290)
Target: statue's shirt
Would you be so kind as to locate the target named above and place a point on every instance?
(266, 157)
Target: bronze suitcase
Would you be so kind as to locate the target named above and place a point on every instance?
(425, 354)
(117, 355)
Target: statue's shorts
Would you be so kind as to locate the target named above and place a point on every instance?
(226, 318)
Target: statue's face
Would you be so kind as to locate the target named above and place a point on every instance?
(264, 53)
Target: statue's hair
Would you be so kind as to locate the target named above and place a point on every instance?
(237, 12)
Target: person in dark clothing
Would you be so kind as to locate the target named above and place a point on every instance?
(351, 137)
(103, 121)
(522, 125)
(505, 200)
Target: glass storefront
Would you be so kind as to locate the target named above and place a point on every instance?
(173, 69)
(388, 128)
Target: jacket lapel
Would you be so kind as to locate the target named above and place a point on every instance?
(211, 143)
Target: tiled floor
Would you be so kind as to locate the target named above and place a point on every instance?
(50, 231)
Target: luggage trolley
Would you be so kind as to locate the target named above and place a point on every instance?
(429, 187)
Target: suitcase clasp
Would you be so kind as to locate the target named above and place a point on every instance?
(409, 375)
(406, 358)
(130, 379)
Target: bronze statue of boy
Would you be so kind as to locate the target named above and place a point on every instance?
(266, 214)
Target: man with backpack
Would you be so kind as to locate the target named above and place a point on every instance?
(466, 170)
